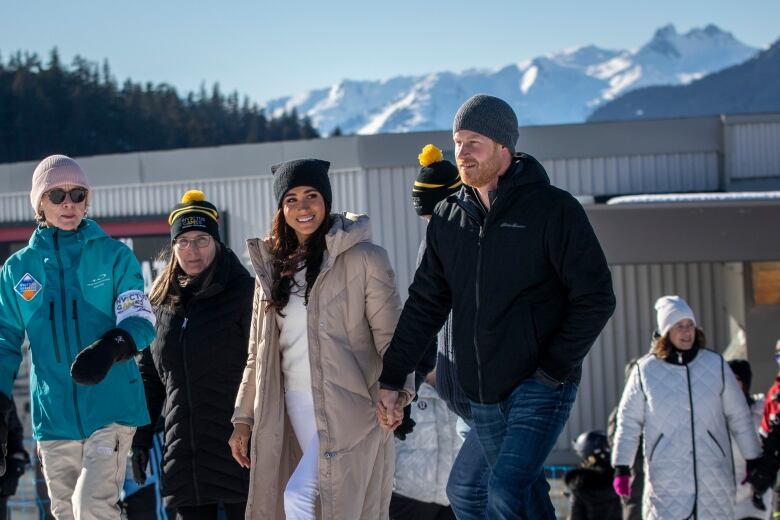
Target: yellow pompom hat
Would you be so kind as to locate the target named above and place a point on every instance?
(437, 179)
(194, 213)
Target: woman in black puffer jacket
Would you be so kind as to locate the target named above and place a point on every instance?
(203, 305)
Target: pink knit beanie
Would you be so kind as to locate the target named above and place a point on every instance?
(53, 172)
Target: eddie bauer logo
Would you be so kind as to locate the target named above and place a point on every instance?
(28, 287)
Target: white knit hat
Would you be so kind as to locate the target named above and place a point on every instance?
(55, 171)
(670, 310)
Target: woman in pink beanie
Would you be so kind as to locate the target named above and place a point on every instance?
(78, 295)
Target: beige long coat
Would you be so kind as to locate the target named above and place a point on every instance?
(352, 312)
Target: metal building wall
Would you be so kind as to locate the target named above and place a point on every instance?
(753, 147)
(383, 194)
(628, 333)
(656, 173)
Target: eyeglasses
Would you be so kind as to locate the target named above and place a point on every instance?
(198, 242)
(57, 195)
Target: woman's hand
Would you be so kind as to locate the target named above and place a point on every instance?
(389, 409)
(239, 443)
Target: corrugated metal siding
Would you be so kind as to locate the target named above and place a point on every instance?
(382, 194)
(753, 150)
(658, 173)
(628, 333)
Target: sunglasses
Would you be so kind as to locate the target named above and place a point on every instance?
(57, 195)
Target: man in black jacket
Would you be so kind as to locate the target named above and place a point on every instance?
(517, 262)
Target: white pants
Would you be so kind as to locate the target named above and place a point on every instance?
(300, 495)
(85, 477)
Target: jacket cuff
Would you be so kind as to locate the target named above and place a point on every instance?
(621, 471)
(243, 420)
(553, 373)
(390, 380)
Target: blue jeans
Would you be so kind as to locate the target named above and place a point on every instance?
(498, 473)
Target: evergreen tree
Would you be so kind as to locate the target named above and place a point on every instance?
(81, 110)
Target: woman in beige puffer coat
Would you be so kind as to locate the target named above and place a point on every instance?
(348, 306)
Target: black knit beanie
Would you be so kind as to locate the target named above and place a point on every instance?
(194, 213)
(437, 179)
(302, 172)
(489, 116)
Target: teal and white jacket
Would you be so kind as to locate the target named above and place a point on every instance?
(65, 290)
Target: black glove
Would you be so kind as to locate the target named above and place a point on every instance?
(139, 460)
(15, 467)
(407, 425)
(761, 478)
(93, 363)
(6, 406)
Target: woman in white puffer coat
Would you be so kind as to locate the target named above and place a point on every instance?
(684, 401)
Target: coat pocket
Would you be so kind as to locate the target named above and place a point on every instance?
(655, 447)
(717, 444)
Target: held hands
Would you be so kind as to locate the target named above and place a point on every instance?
(239, 444)
(389, 409)
(622, 485)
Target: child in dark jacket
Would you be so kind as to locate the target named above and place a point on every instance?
(590, 485)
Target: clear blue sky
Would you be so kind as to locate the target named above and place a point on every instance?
(268, 49)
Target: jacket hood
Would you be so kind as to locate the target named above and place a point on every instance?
(346, 230)
(524, 170)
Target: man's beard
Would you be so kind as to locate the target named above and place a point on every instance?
(484, 173)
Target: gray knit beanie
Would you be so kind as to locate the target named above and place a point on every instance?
(489, 116)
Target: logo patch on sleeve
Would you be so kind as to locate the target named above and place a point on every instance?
(28, 287)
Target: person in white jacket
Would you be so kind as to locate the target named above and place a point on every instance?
(685, 402)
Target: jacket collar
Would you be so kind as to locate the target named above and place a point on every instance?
(346, 231)
(523, 171)
(88, 230)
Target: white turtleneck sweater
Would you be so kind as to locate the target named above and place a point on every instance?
(293, 338)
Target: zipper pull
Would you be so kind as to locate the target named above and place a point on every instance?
(679, 358)
(181, 331)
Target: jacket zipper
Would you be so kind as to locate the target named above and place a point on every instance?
(193, 447)
(482, 226)
(476, 313)
(79, 345)
(54, 332)
(694, 513)
(65, 330)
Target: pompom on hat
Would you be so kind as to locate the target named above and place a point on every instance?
(194, 213)
(670, 310)
(437, 179)
(53, 172)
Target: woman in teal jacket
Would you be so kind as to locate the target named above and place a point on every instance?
(78, 294)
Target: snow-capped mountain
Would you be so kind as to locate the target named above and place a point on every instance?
(564, 87)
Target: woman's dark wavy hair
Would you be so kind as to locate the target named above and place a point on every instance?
(663, 347)
(288, 255)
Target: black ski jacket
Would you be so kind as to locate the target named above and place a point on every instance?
(527, 283)
(194, 367)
